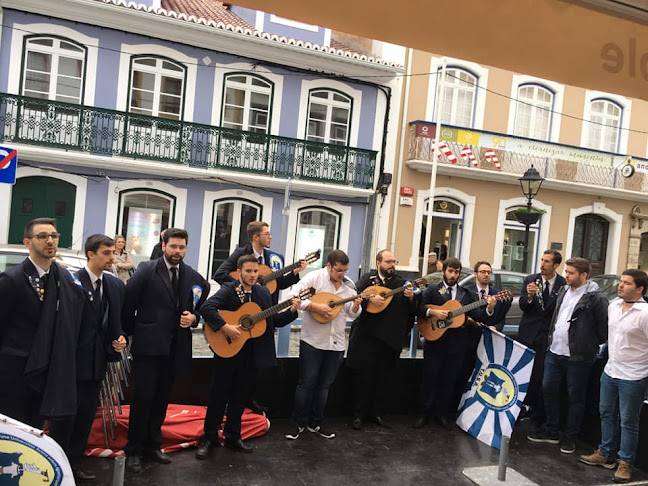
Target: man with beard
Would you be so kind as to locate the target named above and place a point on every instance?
(232, 377)
(41, 313)
(376, 340)
(162, 302)
(100, 340)
(443, 359)
(538, 302)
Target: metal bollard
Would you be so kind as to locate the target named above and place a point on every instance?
(503, 458)
(118, 471)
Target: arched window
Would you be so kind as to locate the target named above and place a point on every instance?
(460, 92)
(533, 112)
(157, 87)
(54, 69)
(247, 103)
(143, 214)
(318, 228)
(604, 125)
(230, 218)
(513, 248)
(447, 219)
(329, 116)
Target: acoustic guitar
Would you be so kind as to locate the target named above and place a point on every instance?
(335, 302)
(433, 329)
(251, 321)
(388, 294)
(268, 277)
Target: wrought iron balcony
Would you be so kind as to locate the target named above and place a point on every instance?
(115, 133)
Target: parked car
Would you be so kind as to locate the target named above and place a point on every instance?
(609, 284)
(12, 255)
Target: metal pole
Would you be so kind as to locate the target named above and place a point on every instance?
(525, 252)
(503, 458)
(118, 471)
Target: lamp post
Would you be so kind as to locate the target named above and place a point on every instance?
(530, 182)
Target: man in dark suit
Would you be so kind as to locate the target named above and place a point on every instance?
(443, 359)
(482, 288)
(100, 340)
(40, 308)
(232, 377)
(538, 302)
(260, 239)
(162, 301)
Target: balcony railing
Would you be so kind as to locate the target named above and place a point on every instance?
(516, 154)
(115, 133)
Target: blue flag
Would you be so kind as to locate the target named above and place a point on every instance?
(495, 392)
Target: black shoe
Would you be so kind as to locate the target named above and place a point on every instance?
(134, 464)
(567, 446)
(544, 437)
(203, 449)
(257, 408)
(357, 423)
(238, 445)
(158, 456)
(80, 475)
(421, 422)
(378, 420)
(445, 422)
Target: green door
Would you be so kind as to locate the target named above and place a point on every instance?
(42, 197)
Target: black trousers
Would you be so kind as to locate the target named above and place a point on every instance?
(17, 400)
(232, 382)
(152, 380)
(535, 397)
(442, 367)
(373, 363)
(72, 433)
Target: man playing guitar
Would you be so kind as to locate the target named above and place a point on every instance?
(376, 340)
(233, 377)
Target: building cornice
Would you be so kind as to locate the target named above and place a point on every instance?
(204, 35)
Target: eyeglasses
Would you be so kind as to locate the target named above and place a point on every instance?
(44, 236)
(340, 270)
(391, 262)
(485, 272)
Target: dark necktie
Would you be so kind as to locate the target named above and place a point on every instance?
(174, 283)
(97, 292)
(482, 294)
(545, 291)
(260, 259)
(449, 293)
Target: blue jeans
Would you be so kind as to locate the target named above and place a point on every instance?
(317, 370)
(576, 374)
(621, 401)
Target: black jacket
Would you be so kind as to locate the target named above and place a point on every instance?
(94, 348)
(535, 322)
(588, 326)
(263, 347)
(151, 316)
(498, 319)
(222, 275)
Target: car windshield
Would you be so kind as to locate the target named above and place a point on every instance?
(608, 284)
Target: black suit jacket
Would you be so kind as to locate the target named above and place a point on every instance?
(498, 319)
(263, 347)
(151, 315)
(222, 275)
(535, 322)
(97, 332)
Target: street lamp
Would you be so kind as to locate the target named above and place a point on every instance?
(530, 182)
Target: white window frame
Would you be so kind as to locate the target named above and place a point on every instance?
(537, 110)
(56, 52)
(479, 103)
(20, 31)
(158, 71)
(558, 91)
(248, 88)
(330, 103)
(626, 114)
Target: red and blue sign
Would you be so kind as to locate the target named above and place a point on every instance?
(8, 165)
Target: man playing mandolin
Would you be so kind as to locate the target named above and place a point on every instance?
(376, 339)
(233, 377)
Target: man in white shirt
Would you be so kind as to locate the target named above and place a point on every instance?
(624, 381)
(321, 348)
(578, 327)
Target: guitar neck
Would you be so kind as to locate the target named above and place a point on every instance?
(280, 273)
(469, 307)
(397, 290)
(270, 311)
(348, 299)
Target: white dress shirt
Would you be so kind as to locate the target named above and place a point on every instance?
(627, 341)
(330, 336)
(93, 280)
(169, 267)
(560, 341)
(259, 255)
(40, 271)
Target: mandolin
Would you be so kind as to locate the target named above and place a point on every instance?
(432, 328)
(388, 294)
(336, 303)
(251, 321)
(268, 277)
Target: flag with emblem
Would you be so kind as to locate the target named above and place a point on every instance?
(496, 389)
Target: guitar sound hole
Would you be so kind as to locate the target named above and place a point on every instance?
(331, 304)
(246, 323)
